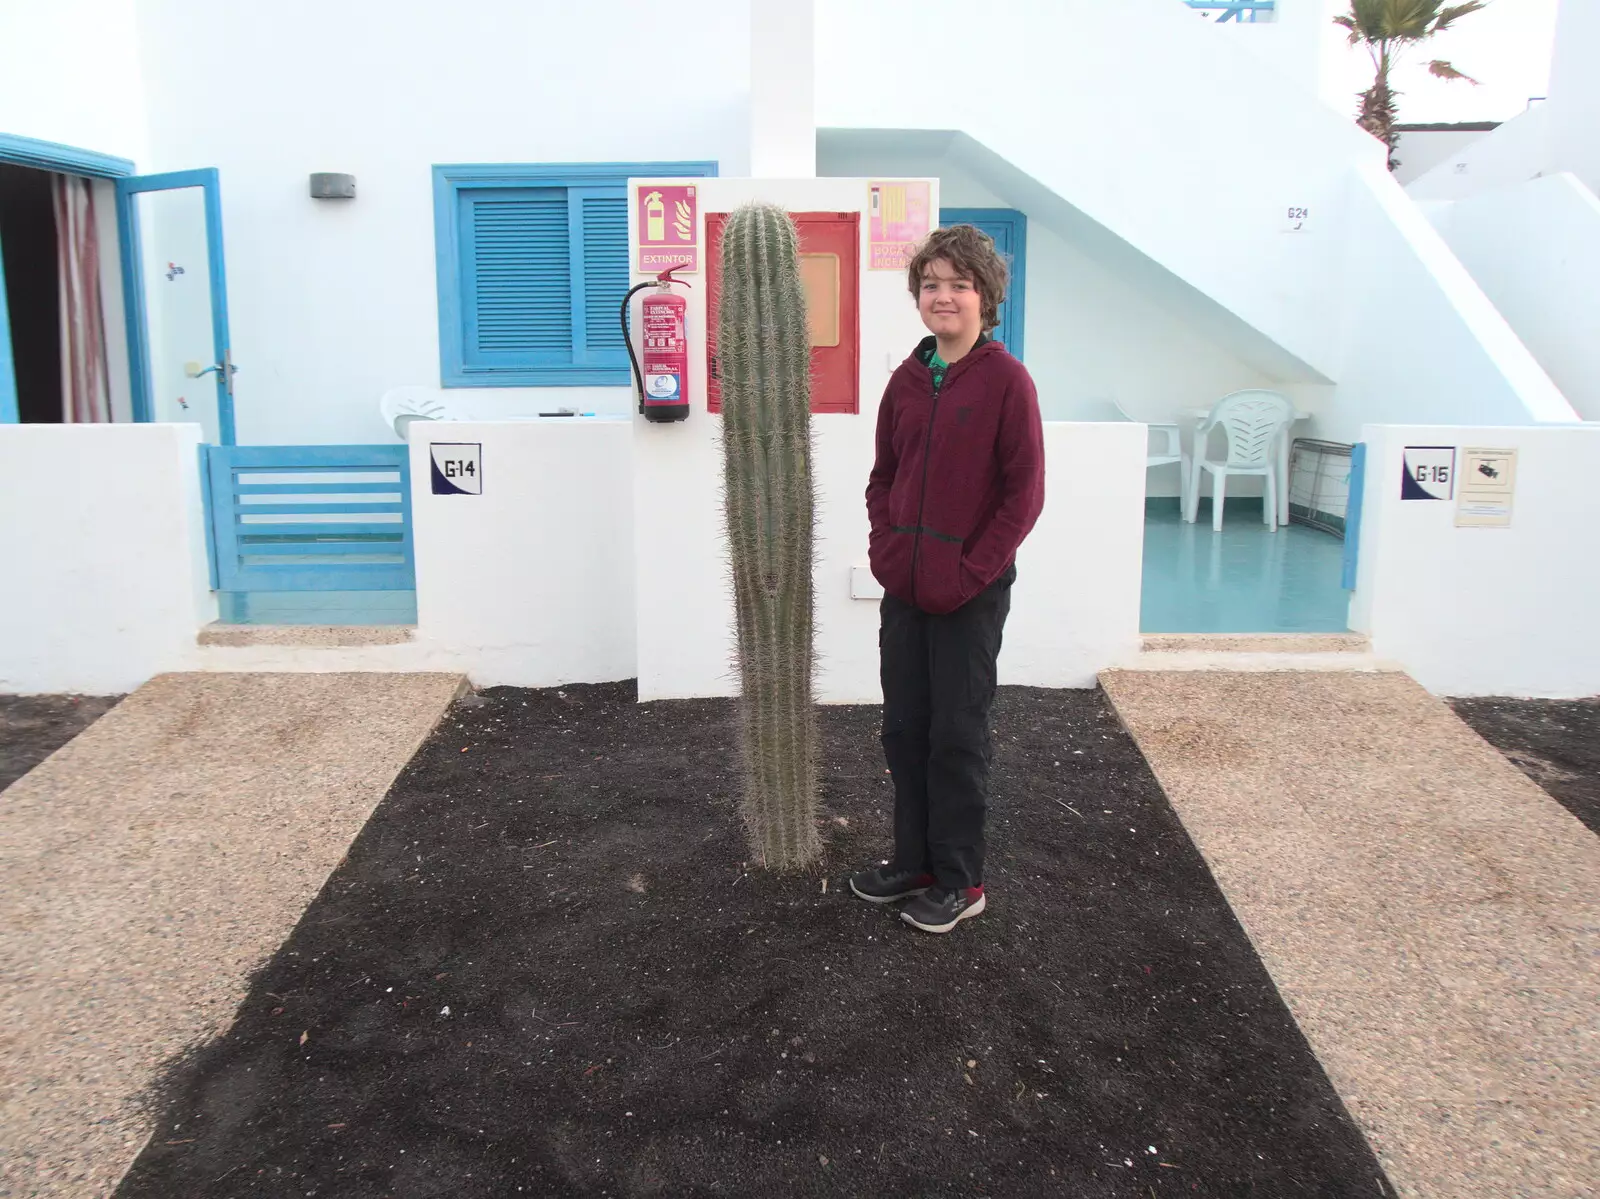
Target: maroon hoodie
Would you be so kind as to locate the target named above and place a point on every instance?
(959, 476)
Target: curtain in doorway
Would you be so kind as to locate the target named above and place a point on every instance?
(85, 395)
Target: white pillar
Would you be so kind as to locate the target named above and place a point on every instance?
(1575, 92)
(783, 130)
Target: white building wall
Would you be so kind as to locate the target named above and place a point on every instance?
(70, 73)
(1498, 611)
(1519, 150)
(1535, 250)
(1198, 206)
(1155, 147)
(1422, 342)
(1418, 151)
(104, 545)
(1092, 335)
(782, 89)
(1575, 93)
(335, 302)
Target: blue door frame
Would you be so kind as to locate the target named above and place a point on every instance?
(43, 156)
(1352, 514)
(1009, 228)
(133, 290)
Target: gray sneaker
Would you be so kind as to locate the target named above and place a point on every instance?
(886, 884)
(938, 910)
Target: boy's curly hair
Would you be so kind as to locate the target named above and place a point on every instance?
(972, 255)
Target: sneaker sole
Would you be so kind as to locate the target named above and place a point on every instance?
(983, 902)
(885, 898)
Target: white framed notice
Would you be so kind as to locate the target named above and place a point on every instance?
(1485, 486)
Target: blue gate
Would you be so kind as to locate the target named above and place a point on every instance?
(309, 517)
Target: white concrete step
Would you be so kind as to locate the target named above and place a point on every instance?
(322, 636)
(1256, 652)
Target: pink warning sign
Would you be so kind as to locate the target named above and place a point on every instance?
(669, 227)
(897, 220)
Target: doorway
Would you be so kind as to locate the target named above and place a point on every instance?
(1009, 228)
(32, 291)
(54, 366)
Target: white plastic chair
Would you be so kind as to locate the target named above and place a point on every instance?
(1253, 420)
(402, 405)
(1164, 447)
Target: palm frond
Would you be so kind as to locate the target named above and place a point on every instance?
(1448, 16)
(1445, 71)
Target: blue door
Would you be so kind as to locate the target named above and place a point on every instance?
(180, 359)
(1009, 228)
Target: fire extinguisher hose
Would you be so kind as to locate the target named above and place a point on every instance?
(638, 378)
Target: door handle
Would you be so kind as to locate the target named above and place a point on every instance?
(224, 370)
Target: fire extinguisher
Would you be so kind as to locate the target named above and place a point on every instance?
(664, 383)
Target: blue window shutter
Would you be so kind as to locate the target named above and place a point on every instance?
(532, 262)
(517, 285)
(603, 219)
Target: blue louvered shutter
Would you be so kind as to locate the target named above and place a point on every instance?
(544, 271)
(601, 216)
(516, 278)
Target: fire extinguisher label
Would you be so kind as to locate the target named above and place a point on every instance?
(663, 388)
(665, 350)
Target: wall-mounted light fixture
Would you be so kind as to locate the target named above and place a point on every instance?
(327, 185)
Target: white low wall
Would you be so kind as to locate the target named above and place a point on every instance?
(530, 583)
(102, 536)
(1075, 608)
(1534, 249)
(1497, 611)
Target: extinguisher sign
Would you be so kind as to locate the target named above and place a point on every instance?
(457, 467)
(669, 227)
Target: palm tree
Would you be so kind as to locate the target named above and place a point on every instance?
(1387, 28)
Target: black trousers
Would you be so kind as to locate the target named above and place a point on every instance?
(938, 675)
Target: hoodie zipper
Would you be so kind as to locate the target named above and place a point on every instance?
(927, 452)
(922, 498)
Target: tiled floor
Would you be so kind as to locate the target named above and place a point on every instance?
(1242, 580)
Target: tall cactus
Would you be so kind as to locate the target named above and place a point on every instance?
(764, 347)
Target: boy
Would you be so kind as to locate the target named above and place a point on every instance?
(957, 484)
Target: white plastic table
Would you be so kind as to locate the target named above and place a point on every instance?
(1282, 466)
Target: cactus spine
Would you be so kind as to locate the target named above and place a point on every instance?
(764, 348)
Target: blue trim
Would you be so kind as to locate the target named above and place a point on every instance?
(1352, 513)
(449, 181)
(1014, 224)
(133, 288)
(133, 310)
(44, 156)
(53, 156)
(1233, 10)
(208, 508)
(10, 414)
